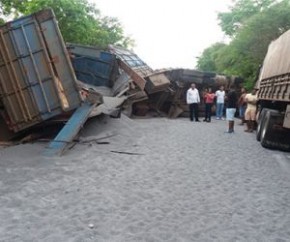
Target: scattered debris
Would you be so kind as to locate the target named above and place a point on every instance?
(126, 153)
(46, 83)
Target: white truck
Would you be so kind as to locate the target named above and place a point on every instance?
(273, 130)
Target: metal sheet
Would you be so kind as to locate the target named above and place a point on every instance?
(70, 130)
(132, 65)
(277, 60)
(132, 60)
(92, 65)
(110, 106)
(37, 81)
(274, 78)
(135, 76)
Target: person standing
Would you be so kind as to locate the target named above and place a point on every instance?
(242, 105)
(193, 99)
(209, 99)
(250, 113)
(231, 109)
(220, 101)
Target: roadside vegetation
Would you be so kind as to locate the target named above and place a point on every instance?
(79, 21)
(250, 26)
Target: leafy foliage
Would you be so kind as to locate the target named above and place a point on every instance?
(209, 56)
(79, 21)
(231, 22)
(256, 24)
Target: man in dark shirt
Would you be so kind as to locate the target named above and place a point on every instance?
(231, 109)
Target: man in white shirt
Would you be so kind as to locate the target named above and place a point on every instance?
(220, 101)
(193, 99)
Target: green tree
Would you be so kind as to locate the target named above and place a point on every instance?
(207, 61)
(231, 22)
(79, 20)
(250, 40)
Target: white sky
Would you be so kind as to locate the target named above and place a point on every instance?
(168, 33)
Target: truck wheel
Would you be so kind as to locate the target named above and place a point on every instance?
(261, 122)
(273, 135)
(267, 131)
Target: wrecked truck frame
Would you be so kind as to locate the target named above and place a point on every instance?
(142, 81)
(37, 81)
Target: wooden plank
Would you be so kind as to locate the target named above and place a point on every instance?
(70, 130)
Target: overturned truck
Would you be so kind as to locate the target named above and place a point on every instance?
(181, 79)
(44, 81)
(273, 85)
(171, 102)
(162, 92)
(37, 81)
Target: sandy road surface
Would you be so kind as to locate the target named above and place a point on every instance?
(150, 180)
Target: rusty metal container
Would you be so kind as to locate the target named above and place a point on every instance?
(37, 81)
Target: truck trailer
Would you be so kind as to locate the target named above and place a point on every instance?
(273, 84)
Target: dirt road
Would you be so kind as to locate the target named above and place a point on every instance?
(149, 180)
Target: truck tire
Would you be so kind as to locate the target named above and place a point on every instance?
(273, 135)
(261, 122)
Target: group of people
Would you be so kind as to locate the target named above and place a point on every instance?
(246, 105)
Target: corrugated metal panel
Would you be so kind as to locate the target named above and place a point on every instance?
(139, 71)
(277, 60)
(136, 76)
(37, 81)
(131, 60)
(132, 65)
(274, 78)
(92, 65)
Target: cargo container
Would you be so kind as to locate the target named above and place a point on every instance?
(37, 81)
(92, 65)
(273, 86)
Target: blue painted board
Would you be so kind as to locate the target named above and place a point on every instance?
(92, 65)
(70, 130)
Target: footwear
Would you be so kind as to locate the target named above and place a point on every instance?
(197, 121)
(249, 126)
(204, 120)
(229, 132)
(208, 121)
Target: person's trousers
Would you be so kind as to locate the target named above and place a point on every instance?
(219, 110)
(208, 111)
(242, 110)
(193, 111)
